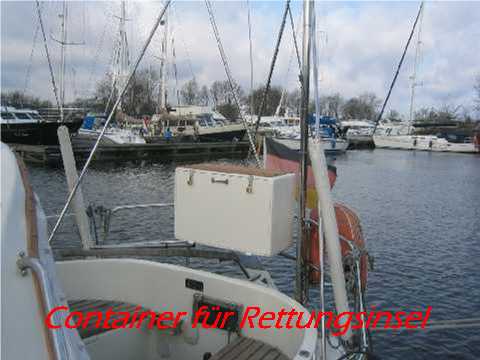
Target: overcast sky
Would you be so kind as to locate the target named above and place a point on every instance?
(360, 44)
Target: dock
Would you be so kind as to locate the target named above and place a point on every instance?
(174, 151)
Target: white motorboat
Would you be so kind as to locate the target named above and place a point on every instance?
(91, 129)
(424, 143)
(329, 145)
(398, 137)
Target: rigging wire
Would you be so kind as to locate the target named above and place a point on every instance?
(295, 43)
(230, 79)
(184, 44)
(97, 52)
(110, 116)
(52, 75)
(272, 67)
(175, 71)
(398, 68)
(30, 61)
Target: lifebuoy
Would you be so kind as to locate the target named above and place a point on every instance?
(349, 228)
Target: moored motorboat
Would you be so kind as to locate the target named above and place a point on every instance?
(26, 126)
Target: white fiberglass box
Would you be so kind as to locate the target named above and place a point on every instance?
(234, 207)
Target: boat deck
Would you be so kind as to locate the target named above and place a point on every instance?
(241, 348)
(245, 348)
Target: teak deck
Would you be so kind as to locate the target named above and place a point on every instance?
(241, 348)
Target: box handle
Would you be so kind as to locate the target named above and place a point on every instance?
(225, 181)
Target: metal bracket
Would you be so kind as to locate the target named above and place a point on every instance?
(250, 184)
(190, 178)
(22, 267)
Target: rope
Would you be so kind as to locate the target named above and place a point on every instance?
(110, 116)
(52, 76)
(272, 67)
(230, 79)
(398, 68)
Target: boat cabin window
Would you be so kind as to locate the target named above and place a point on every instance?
(35, 116)
(22, 116)
(202, 122)
(7, 115)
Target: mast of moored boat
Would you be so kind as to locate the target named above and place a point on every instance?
(413, 78)
(63, 54)
(301, 280)
(123, 53)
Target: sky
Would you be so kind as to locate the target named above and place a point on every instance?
(359, 45)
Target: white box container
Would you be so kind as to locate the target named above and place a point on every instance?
(233, 207)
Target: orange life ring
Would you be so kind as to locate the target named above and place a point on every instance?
(350, 229)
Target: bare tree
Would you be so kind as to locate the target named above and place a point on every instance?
(221, 93)
(190, 92)
(333, 104)
(203, 96)
(272, 101)
(364, 106)
(477, 91)
(19, 100)
(394, 116)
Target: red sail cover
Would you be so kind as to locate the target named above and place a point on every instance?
(281, 157)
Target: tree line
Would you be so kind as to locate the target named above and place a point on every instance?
(141, 98)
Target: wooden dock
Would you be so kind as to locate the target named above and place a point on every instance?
(174, 151)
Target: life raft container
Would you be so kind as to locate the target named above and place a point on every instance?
(350, 230)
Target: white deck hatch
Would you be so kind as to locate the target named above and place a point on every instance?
(234, 207)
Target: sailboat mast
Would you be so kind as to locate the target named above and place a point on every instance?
(301, 276)
(163, 65)
(415, 68)
(123, 54)
(63, 53)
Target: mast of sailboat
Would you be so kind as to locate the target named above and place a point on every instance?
(63, 54)
(163, 65)
(399, 66)
(301, 282)
(123, 52)
(413, 78)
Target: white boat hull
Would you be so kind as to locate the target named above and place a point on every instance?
(114, 136)
(329, 146)
(422, 143)
(149, 285)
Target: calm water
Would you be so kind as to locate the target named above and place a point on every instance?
(420, 213)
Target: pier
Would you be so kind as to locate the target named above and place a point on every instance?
(168, 151)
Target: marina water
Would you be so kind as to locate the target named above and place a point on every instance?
(420, 214)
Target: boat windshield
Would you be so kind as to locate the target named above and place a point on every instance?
(35, 116)
(22, 116)
(7, 115)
